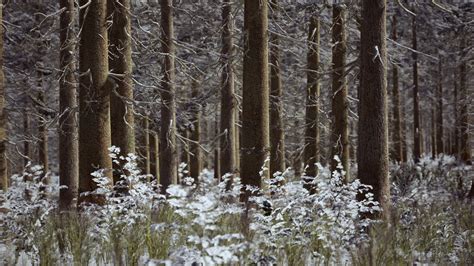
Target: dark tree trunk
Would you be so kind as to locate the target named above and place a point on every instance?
(195, 163)
(154, 155)
(277, 135)
(144, 145)
(94, 97)
(255, 116)
(456, 119)
(168, 154)
(68, 129)
(340, 105)
(3, 117)
(439, 112)
(373, 128)
(465, 144)
(228, 152)
(416, 108)
(311, 151)
(397, 121)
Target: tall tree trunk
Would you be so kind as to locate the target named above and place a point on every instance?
(42, 130)
(168, 153)
(373, 127)
(184, 156)
(27, 151)
(94, 97)
(277, 135)
(154, 155)
(237, 137)
(416, 108)
(255, 116)
(433, 134)
(217, 153)
(456, 119)
(465, 144)
(404, 126)
(195, 166)
(228, 149)
(397, 134)
(340, 104)
(3, 117)
(439, 111)
(120, 62)
(311, 152)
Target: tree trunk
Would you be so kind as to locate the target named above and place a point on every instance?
(416, 108)
(94, 97)
(439, 112)
(27, 151)
(311, 151)
(154, 156)
(68, 129)
(3, 117)
(168, 153)
(373, 127)
(144, 146)
(120, 62)
(184, 156)
(195, 164)
(42, 130)
(340, 104)
(433, 134)
(456, 119)
(465, 144)
(255, 116)
(277, 135)
(397, 134)
(228, 149)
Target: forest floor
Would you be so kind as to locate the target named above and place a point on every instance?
(431, 222)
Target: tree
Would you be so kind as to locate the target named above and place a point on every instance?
(154, 155)
(397, 116)
(372, 155)
(439, 110)
(416, 105)
(195, 163)
(340, 104)
(3, 117)
(277, 136)
(228, 130)
(120, 64)
(168, 153)
(144, 144)
(311, 151)
(465, 145)
(94, 97)
(255, 103)
(68, 145)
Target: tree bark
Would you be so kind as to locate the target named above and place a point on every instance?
(42, 131)
(120, 62)
(465, 144)
(373, 128)
(228, 149)
(397, 119)
(416, 108)
(195, 164)
(168, 153)
(340, 104)
(433, 134)
(311, 151)
(456, 119)
(154, 156)
(94, 97)
(68, 128)
(3, 117)
(277, 135)
(255, 116)
(144, 145)
(439, 111)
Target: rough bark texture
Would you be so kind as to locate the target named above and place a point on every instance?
(195, 164)
(277, 135)
(439, 111)
(168, 154)
(373, 129)
(144, 145)
(68, 130)
(120, 62)
(397, 119)
(311, 151)
(255, 116)
(465, 144)
(455, 150)
(433, 133)
(94, 97)
(416, 106)
(340, 104)
(228, 153)
(3, 117)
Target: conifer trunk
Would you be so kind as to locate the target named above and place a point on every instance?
(68, 130)
(311, 151)
(373, 127)
(168, 153)
(195, 164)
(154, 155)
(465, 144)
(144, 145)
(277, 135)
(120, 62)
(439, 111)
(94, 97)
(255, 115)
(340, 104)
(3, 117)
(416, 108)
(228, 149)
(397, 134)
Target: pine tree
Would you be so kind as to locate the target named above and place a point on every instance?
(3, 117)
